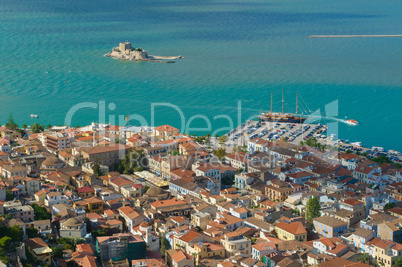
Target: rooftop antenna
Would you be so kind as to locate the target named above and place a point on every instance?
(283, 103)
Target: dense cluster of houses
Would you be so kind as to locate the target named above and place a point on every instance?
(183, 206)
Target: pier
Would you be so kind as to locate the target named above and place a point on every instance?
(354, 36)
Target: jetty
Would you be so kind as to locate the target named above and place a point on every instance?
(356, 36)
(127, 52)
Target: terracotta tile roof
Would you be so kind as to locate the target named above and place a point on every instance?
(295, 228)
(93, 215)
(110, 212)
(40, 192)
(362, 232)
(179, 256)
(114, 222)
(352, 202)
(120, 181)
(363, 169)
(165, 128)
(166, 203)
(105, 149)
(269, 203)
(89, 201)
(189, 236)
(85, 189)
(239, 156)
(396, 210)
(130, 212)
(86, 248)
(264, 246)
(36, 243)
(330, 221)
(183, 173)
(113, 128)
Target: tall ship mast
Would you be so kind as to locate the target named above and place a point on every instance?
(282, 117)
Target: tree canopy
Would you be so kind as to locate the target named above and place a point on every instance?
(134, 161)
(57, 252)
(11, 124)
(36, 128)
(41, 213)
(96, 168)
(364, 257)
(220, 152)
(312, 208)
(223, 139)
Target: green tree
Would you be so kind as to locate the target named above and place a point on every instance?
(311, 142)
(100, 232)
(312, 208)
(48, 126)
(235, 149)
(131, 162)
(96, 168)
(24, 126)
(382, 159)
(398, 262)
(389, 206)
(164, 245)
(8, 216)
(32, 232)
(220, 152)
(36, 128)
(364, 257)
(41, 212)
(15, 232)
(9, 195)
(5, 242)
(296, 211)
(11, 124)
(223, 139)
(57, 252)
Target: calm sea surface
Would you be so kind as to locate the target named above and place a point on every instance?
(234, 50)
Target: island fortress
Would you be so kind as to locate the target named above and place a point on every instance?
(127, 52)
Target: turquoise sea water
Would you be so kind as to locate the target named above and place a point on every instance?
(234, 50)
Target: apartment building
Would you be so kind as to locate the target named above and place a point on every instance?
(278, 190)
(56, 141)
(291, 231)
(329, 226)
(234, 242)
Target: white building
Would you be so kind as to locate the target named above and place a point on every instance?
(54, 198)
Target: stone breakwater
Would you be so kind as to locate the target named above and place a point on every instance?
(127, 52)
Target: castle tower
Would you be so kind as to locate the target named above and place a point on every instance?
(124, 46)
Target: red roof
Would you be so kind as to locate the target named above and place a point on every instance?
(85, 189)
(165, 128)
(295, 228)
(352, 202)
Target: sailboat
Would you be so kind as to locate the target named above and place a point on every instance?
(282, 117)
